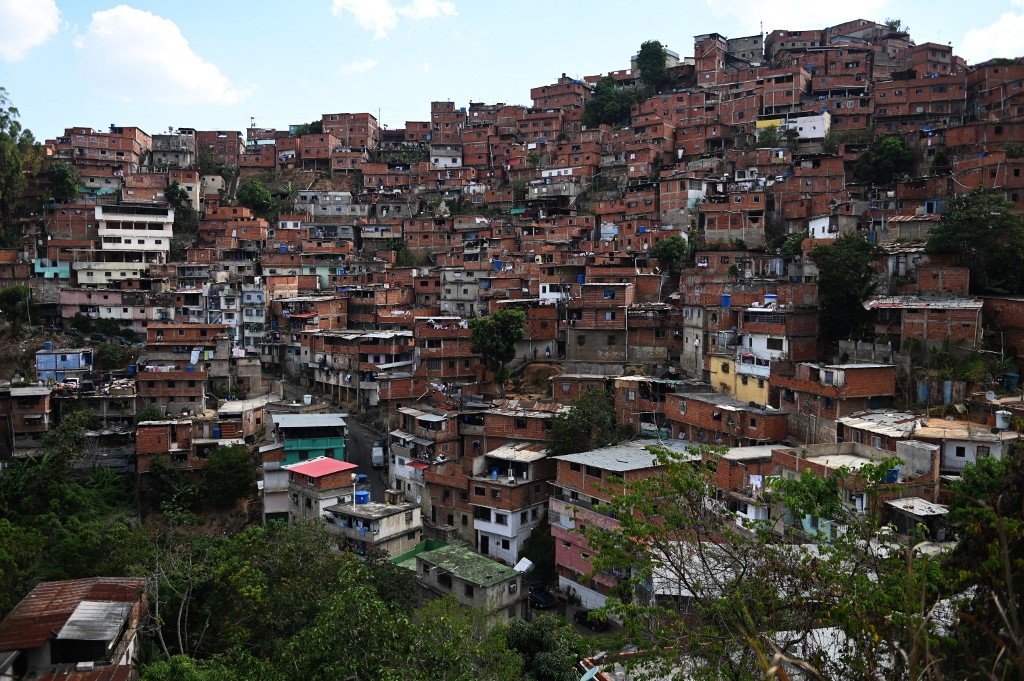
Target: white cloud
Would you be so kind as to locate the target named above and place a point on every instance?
(796, 15)
(381, 16)
(1003, 38)
(154, 60)
(427, 9)
(357, 66)
(24, 25)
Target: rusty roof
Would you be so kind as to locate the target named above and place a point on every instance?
(41, 615)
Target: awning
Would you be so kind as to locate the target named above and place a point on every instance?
(420, 441)
(418, 465)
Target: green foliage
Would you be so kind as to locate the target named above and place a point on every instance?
(549, 646)
(610, 104)
(885, 161)
(539, 548)
(112, 356)
(672, 252)
(496, 337)
(17, 306)
(650, 66)
(983, 231)
(169, 489)
(66, 439)
(208, 164)
(313, 127)
(451, 641)
(845, 279)
(252, 194)
(769, 138)
(793, 244)
(1014, 150)
(149, 413)
(19, 152)
(228, 475)
(743, 590)
(896, 26)
(589, 424)
(519, 189)
(533, 160)
(186, 218)
(64, 179)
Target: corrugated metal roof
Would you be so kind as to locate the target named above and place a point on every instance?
(918, 506)
(309, 420)
(629, 456)
(95, 621)
(42, 613)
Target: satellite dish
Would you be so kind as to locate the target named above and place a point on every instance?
(990, 395)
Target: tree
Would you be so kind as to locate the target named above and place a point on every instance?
(533, 159)
(18, 152)
(496, 338)
(589, 424)
(16, 305)
(112, 356)
(651, 67)
(610, 104)
(673, 253)
(896, 26)
(310, 128)
(769, 138)
(228, 475)
(549, 646)
(986, 235)
(695, 593)
(252, 194)
(845, 280)
(886, 160)
(987, 567)
(186, 218)
(149, 413)
(539, 548)
(64, 179)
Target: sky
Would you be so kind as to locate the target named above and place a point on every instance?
(218, 65)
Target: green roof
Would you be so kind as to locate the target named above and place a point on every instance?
(468, 565)
(408, 559)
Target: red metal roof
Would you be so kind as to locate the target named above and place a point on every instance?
(42, 613)
(418, 464)
(321, 466)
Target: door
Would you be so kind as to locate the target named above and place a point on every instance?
(485, 544)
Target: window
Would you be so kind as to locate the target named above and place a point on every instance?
(725, 367)
(480, 491)
(609, 316)
(468, 590)
(774, 343)
(575, 467)
(609, 293)
(520, 423)
(753, 422)
(593, 472)
(504, 544)
(682, 406)
(982, 450)
(444, 581)
(961, 452)
(496, 493)
(501, 519)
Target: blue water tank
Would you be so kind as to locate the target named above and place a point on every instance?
(284, 249)
(726, 299)
(581, 278)
(497, 265)
(892, 475)
(922, 392)
(48, 345)
(132, 368)
(494, 474)
(362, 497)
(947, 392)
(190, 368)
(216, 432)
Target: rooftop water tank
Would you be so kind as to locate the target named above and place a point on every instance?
(362, 497)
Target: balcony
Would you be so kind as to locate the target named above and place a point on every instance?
(757, 370)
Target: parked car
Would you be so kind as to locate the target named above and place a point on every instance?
(120, 341)
(540, 597)
(591, 619)
(377, 454)
(98, 337)
(74, 333)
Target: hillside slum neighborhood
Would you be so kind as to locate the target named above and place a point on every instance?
(352, 308)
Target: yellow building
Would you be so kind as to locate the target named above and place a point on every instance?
(746, 382)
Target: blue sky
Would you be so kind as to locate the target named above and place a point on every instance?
(216, 64)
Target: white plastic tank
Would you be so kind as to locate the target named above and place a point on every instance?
(307, 400)
(1003, 419)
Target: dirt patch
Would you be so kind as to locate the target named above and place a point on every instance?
(534, 381)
